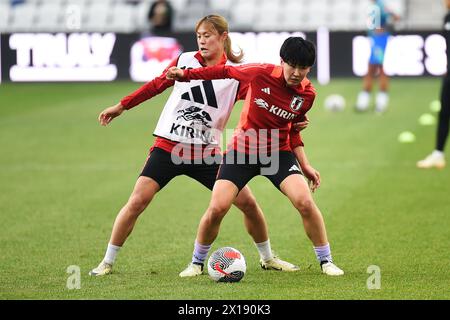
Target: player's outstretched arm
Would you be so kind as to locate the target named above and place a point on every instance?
(241, 73)
(205, 73)
(107, 115)
(312, 174)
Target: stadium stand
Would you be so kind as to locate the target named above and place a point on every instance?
(48, 17)
(249, 15)
(4, 15)
(268, 15)
(242, 13)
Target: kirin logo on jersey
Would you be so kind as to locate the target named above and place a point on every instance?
(297, 103)
(196, 115)
(274, 109)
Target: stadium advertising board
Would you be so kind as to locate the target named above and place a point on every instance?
(406, 55)
(109, 56)
(150, 55)
(62, 57)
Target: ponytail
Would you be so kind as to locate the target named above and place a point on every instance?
(233, 57)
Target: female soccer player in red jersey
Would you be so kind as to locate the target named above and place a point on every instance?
(277, 97)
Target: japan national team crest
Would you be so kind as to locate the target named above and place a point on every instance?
(297, 103)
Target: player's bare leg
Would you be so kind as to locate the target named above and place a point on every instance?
(223, 195)
(382, 98)
(254, 219)
(368, 78)
(297, 190)
(363, 100)
(256, 225)
(384, 80)
(143, 193)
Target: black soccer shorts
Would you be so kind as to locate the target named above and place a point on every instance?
(240, 168)
(161, 168)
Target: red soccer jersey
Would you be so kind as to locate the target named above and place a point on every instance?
(270, 105)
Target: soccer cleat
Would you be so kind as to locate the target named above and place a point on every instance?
(330, 269)
(102, 269)
(277, 264)
(362, 102)
(432, 160)
(192, 270)
(382, 101)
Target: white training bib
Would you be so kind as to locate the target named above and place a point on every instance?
(197, 111)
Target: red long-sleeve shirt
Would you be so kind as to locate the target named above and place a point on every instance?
(270, 104)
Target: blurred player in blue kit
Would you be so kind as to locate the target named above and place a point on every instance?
(378, 31)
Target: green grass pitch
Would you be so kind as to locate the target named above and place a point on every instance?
(63, 179)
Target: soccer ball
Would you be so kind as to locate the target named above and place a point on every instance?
(226, 265)
(335, 102)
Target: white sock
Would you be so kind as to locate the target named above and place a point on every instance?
(111, 253)
(323, 253)
(264, 249)
(362, 103)
(382, 100)
(438, 154)
(200, 252)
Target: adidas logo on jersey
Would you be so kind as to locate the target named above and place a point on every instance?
(294, 168)
(266, 90)
(196, 94)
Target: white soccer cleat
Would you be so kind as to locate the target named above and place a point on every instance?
(102, 269)
(382, 101)
(330, 269)
(192, 270)
(277, 264)
(362, 102)
(432, 161)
